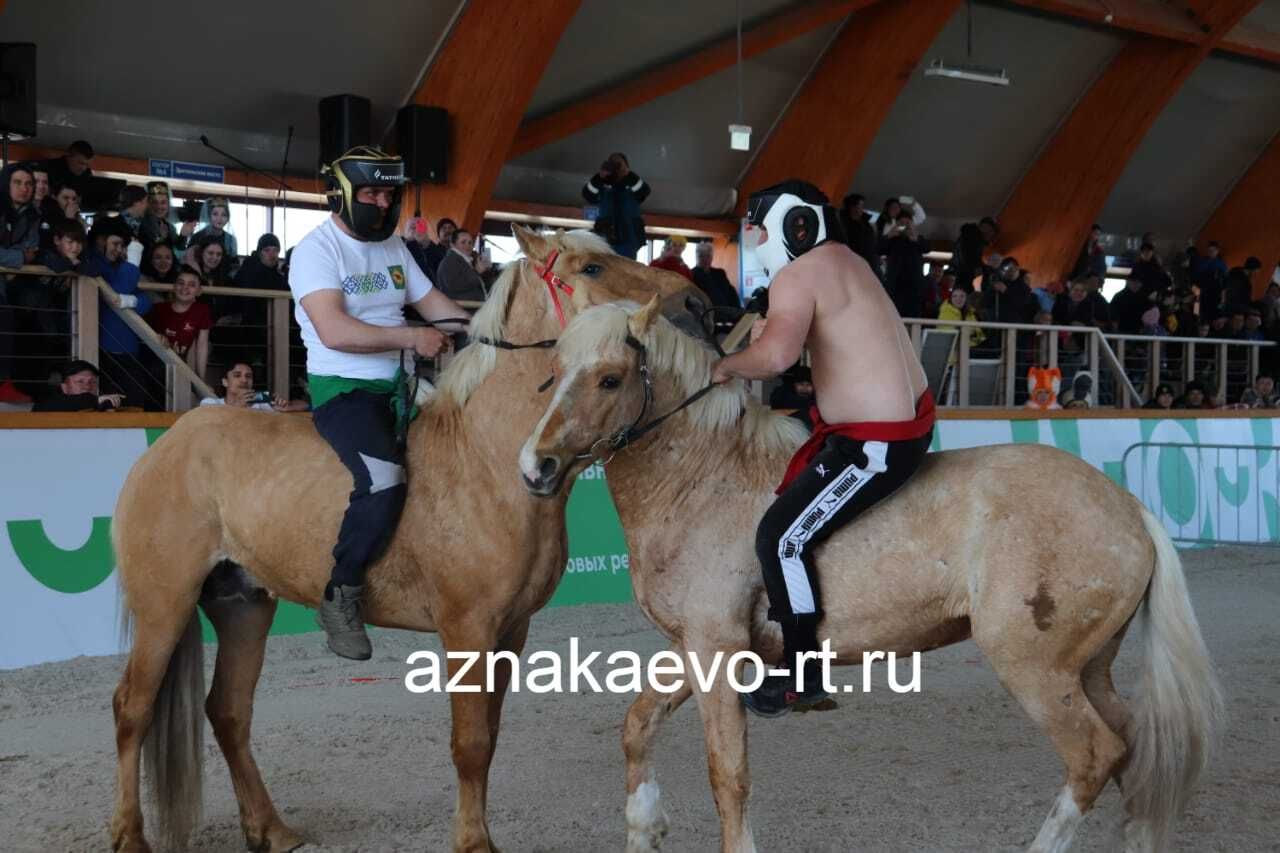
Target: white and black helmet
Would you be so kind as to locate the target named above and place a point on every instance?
(797, 217)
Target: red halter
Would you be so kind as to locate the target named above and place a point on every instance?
(554, 283)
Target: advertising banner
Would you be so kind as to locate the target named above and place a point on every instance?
(1207, 479)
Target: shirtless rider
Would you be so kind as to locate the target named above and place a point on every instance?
(873, 418)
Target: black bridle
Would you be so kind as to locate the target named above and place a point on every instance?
(631, 433)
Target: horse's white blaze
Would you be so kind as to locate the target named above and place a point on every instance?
(1055, 836)
(646, 823)
(529, 461)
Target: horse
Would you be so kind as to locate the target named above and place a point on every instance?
(1045, 604)
(473, 556)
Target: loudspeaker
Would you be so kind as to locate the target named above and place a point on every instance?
(18, 89)
(345, 122)
(423, 136)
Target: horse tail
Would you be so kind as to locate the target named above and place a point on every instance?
(173, 751)
(1179, 710)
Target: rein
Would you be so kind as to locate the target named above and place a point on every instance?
(629, 434)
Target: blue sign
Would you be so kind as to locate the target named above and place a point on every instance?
(180, 170)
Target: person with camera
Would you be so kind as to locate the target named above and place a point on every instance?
(78, 392)
(352, 277)
(238, 393)
(873, 413)
(618, 192)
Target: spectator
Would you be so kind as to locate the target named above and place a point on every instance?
(1239, 284)
(1209, 273)
(210, 259)
(1193, 397)
(1075, 308)
(1093, 258)
(712, 280)
(260, 271)
(974, 240)
(1264, 392)
(893, 208)
(956, 308)
(933, 290)
(904, 265)
(184, 322)
(795, 393)
(67, 252)
(1009, 298)
(1093, 287)
(72, 169)
(159, 264)
(1235, 325)
(238, 393)
(1180, 313)
(859, 231)
(64, 204)
(618, 193)
(671, 258)
(1128, 306)
(1162, 399)
(217, 212)
(1151, 324)
(1149, 271)
(19, 245)
(946, 284)
(436, 252)
(121, 347)
(133, 207)
(156, 227)
(78, 392)
(457, 277)
(1252, 325)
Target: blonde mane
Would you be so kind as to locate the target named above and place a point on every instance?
(474, 364)
(601, 332)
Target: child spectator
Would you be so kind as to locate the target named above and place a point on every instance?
(122, 348)
(78, 392)
(237, 384)
(1162, 399)
(956, 308)
(184, 322)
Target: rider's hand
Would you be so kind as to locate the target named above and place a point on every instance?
(757, 329)
(428, 342)
(718, 374)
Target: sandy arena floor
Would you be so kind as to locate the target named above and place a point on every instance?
(957, 767)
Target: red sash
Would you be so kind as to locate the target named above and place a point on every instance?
(864, 431)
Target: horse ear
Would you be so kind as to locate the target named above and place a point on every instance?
(639, 322)
(533, 244)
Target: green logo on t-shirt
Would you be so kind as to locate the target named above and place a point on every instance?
(397, 276)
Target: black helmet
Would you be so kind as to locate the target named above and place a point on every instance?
(365, 166)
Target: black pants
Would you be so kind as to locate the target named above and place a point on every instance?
(846, 478)
(361, 429)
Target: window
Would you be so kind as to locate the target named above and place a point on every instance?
(294, 224)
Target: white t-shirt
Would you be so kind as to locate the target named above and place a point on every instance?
(376, 280)
(218, 401)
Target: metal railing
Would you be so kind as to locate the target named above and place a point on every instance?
(1208, 494)
(1009, 349)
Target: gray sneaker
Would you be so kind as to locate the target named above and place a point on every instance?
(340, 619)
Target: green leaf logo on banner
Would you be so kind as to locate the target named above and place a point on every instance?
(69, 571)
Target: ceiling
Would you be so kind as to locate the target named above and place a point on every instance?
(243, 73)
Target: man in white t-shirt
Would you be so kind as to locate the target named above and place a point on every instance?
(351, 278)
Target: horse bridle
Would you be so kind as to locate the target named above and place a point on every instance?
(625, 436)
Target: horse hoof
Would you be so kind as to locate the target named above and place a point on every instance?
(277, 839)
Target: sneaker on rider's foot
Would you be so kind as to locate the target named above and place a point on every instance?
(340, 617)
(9, 393)
(777, 695)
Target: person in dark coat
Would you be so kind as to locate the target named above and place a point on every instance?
(618, 193)
(712, 280)
(975, 238)
(260, 271)
(904, 266)
(1128, 306)
(859, 231)
(78, 392)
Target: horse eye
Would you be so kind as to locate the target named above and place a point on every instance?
(611, 383)
(592, 269)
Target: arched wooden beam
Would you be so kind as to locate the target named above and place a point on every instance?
(1048, 216)
(668, 77)
(1248, 220)
(484, 76)
(828, 129)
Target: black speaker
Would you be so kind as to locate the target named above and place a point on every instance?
(423, 137)
(18, 89)
(345, 122)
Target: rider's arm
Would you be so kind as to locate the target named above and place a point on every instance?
(340, 331)
(780, 345)
(436, 306)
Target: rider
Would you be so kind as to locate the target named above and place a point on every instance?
(873, 418)
(351, 278)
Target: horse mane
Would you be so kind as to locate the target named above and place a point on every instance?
(602, 330)
(474, 364)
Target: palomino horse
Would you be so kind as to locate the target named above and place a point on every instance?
(473, 558)
(1048, 610)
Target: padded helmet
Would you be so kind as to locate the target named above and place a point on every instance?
(365, 166)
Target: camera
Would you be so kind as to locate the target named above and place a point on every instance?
(261, 397)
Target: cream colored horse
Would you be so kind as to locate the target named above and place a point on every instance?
(1010, 568)
(473, 557)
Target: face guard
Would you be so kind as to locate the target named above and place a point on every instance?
(792, 225)
(365, 167)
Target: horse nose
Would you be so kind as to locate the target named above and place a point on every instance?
(548, 468)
